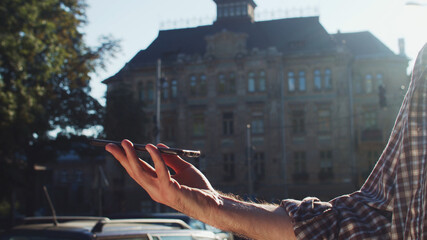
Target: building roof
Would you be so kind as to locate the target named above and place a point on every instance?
(363, 44)
(289, 36)
(284, 34)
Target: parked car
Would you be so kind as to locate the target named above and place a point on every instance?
(87, 228)
(193, 223)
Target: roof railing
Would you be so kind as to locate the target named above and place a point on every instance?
(166, 222)
(61, 219)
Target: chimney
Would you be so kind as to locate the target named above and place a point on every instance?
(401, 42)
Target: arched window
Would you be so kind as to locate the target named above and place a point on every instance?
(301, 81)
(231, 83)
(291, 82)
(193, 85)
(165, 90)
(328, 79)
(140, 91)
(226, 83)
(251, 82)
(150, 91)
(203, 85)
(261, 81)
(174, 88)
(380, 79)
(317, 80)
(225, 11)
(368, 83)
(221, 83)
(257, 126)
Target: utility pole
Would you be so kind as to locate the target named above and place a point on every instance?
(157, 128)
(158, 100)
(282, 119)
(249, 155)
(354, 167)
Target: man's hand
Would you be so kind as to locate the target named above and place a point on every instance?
(185, 173)
(158, 182)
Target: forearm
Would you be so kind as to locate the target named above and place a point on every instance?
(201, 201)
(256, 221)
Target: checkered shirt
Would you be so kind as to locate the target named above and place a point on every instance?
(392, 202)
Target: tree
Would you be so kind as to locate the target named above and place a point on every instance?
(44, 77)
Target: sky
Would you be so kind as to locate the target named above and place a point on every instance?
(136, 23)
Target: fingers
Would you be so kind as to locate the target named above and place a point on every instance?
(121, 154)
(174, 161)
(136, 168)
(160, 166)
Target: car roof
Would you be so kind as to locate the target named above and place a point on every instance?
(102, 227)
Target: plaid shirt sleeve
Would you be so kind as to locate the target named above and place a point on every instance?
(392, 202)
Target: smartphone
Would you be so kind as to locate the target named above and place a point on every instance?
(141, 147)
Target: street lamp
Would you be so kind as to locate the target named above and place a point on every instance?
(416, 4)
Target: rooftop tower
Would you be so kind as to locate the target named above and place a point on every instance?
(235, 10)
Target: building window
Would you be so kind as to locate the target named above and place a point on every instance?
(380, 83)
(141, 91)
(257, 82)
(165, 90)
(225, 11)
(291, 82)
(358, 84)
(220, 10)
(261, 81)
(227, 123)
(328, 79)
(198, 124)
(368, 83)
(259, 166)
(203, 90)
(231, 85)
(193, 85)
(251, 82)
(228, 166)
(150, 91)
(257, 126)
(298, 122)
(174, 88)
(301, 81)
(322, 83)
(300, 166)
(243, 11)
(226, 83)
(232, 10)
(380, 79)
(198, 85)
(326, 168)
(317, 79)
(221, 83)
(324, 120)
(370, 119)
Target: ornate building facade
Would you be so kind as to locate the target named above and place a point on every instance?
(320, 106)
